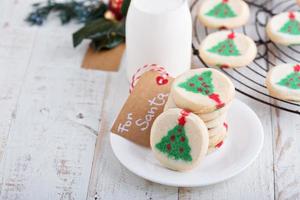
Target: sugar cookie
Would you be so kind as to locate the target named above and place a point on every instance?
(223, 128)
(202, 90)
(283, 81)
(284, 28)
(206, 116)
(179, 139)
(217, 121)
(227, 49)
(224, 13)
(216, 139)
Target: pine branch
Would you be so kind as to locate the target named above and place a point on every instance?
(105, 34)
(80, 11)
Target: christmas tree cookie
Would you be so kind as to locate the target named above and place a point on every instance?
(283, 81)
(202, 90)
(284, 28)
(218, 121)
(206, 117)
(179, 139)
(224, 13)
(227, 49)
(219, 130)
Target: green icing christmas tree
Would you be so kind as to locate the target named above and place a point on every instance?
(292, 80)
(176, 144)
(199, 83)
(226, 47)
(292, 26)
(202, 84)
(222, 10)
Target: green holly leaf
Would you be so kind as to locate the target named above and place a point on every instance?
(107, 42)
(105, 34)
(125, 7)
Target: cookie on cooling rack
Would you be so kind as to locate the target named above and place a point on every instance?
(227, 49)
(284, 28)
(224, 13)
(179, 139)
(202, 90)
(283, 82)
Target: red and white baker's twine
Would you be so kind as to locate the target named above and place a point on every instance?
(150, 67)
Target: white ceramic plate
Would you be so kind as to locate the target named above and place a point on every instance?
(244, 142)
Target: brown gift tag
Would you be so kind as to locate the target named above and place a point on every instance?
(144, 104)
(108, 60)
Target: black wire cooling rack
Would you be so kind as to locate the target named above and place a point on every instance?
(250, 80)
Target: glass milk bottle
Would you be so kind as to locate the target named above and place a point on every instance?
(158, 32)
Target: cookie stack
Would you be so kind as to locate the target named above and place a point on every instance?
(208, 94)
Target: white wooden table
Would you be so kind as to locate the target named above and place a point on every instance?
(55, 119)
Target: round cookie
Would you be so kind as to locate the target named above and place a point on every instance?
(227, 49)
(284, 28)
(202, 90)
(224, 13)
(179, 139)
(212, 115)
(206, 116)
(283, 82)
(216, 139)
(221, 129)
(216, 122)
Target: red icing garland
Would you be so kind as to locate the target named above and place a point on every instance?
(297, 68)
(181, 120)
(291, 16)
(219, 144)
(226, 126)
(231, 36)
(224, 66)
(216, 98)
(225, 1)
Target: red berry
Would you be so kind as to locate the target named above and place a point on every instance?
(200, 78)
(169, 147)
(172, 138)
(199, 89)
(192, 84)
(182, 139)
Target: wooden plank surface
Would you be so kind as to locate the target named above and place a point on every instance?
(55, 120)
(50, 110)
